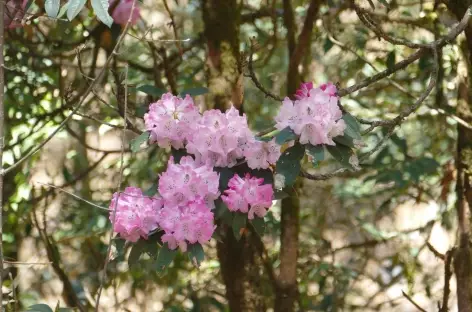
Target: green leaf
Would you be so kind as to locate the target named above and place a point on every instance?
(353, 129)
(63, 10)
(385, 3)
(239, 222)
(225, 175)
(328, 44)
(41, 307)
(152, 190)
(259, 225)
(400, 142)
(391, 59)
(280, 194)
(165, 257)
(52, 7)
(100, 7)
(74, 8)
(178, 154)
(285, 135)
(344, 140)
(194, 91)
(151, 90)
(136, 143)
(315, 151)
(137, 249)
(141, 110)
(288, 164)
(196, 254)
(420, 167)
(344, 155)
(222, 212)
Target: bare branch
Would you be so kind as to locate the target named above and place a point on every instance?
(76, 109)
(413, 302)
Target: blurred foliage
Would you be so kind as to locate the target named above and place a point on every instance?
(44, 81)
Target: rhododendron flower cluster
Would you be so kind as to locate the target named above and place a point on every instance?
(222, 138)
(171, 120)
(248, 195)
(191, 223)
(314, 116)
(260, 154)
(122, 11)
(215, 138)
(134, 215)
(188, 192)
(188, 181)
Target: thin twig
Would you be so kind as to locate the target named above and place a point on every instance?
(73, 195)
(412, 58)
(413, 302)
(120, 178)
(435, 251)
(253, 76)
(3, 172)
(447, 278)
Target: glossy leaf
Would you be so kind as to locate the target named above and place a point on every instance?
(165, 257)
(52, 7)
(136, 143)
(178, 154)
(151, 90)
(74, 8)
(100, 7)
(288, 164)
(316, 152)
(344, 155)
(239, 222)
(196, 254)
(194, 91)
(285, 135)
(41, 307)
(259, 225)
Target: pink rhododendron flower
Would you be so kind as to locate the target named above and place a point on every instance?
(222, 138)
(122, 12)
(186, 224)
(316, 118)
(248, 195)
(171, 120)
(136, 215)
(261, 154)
(304, 90)
(188, 182)
(14, 12)
(329, 88)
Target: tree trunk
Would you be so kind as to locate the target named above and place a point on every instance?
(239, 260)
(463, 256)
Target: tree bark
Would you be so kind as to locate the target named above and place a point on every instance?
(239, 260)
(287, 285)
(463, 256)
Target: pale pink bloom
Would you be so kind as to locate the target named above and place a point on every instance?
(329, 88)
(316, 117)
(222, 138)
(136, 215)
(248, 195)
(171, 121)
(187, 224)
(188, 181)
(122, 12)
(261, 154)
